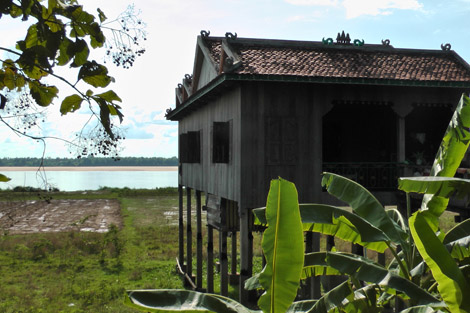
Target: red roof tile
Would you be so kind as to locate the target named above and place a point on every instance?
(367, 62)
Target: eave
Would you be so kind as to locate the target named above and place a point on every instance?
(200, 98)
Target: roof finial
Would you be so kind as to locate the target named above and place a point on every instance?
(205, 34)
(446, 47)
(386, 42)
(343, 39)
(231, 36)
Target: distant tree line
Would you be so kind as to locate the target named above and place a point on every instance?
(91, 161)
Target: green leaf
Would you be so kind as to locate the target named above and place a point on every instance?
(459, 231)
(15, 11)
(252, 283)
(457, 240)
(4, 179)
(449, 156)
(43, 94)
(31, 39)
(81, 52)
(9, 79)
(445, 187)
(335, 221)
(452, 285)
(71, 104)
(101, 15)
(94, 74)
(283, 248)
(104, 118)
(364, 204)
(366, 270)
(181, 301)
(423, 309)
(109, 96)
(66, 51)
(332, 298)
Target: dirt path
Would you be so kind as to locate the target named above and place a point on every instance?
(33, 216)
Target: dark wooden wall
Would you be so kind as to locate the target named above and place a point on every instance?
(276, 130)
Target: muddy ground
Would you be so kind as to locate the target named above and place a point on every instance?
(33, 216)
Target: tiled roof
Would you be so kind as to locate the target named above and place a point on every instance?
(367, 62)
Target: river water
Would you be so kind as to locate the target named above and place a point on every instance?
(91, 180)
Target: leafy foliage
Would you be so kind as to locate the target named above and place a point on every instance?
(427, 259)
(62, 33)
(284, 258)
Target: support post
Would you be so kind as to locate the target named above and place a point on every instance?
(180, 227)
(223, 262)
(189, 235)
(210, 259)
(246, 252)
(312, 244)
(199, 240)
(233, 266)
(233, 278)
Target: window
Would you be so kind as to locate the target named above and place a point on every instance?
(190, 147)
(194, 147)
(221, 142)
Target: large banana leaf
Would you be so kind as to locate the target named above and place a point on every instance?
(457, 240)
(449, 156)
(452, 285)
(168, 300)
(366, 270)
(445, 187)
(459, 231)
(283, 248)
(365, 205)
(333, 298)
(335, 221)
(423, 309)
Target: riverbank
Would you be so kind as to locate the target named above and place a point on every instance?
(90, 168)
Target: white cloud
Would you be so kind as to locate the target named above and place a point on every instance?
(356, 8)
(313, 2)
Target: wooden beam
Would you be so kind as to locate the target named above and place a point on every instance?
(223, 262)
(199, 240)
(189, 235)
(207, 55)
(210, 259)
(246, 253)
(233, 267)
(180, 226)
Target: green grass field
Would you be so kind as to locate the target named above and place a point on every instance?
(89, 272)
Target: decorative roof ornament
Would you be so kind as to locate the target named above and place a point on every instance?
(328, 41)
(231, 36)
(386, 42)
(343, 39)
(205, 34)
(188, 78)
(180, 86)
(168, 111)
(358, 43)
(446, 47)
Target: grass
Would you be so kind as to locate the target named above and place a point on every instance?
(89, 272)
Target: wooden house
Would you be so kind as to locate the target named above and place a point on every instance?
(256, 109)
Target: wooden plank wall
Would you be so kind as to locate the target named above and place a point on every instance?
(219, 179)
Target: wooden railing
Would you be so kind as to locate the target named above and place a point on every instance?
(375, 176)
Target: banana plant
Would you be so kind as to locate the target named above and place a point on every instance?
(283, 248)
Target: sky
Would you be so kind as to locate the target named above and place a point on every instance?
(148, 88)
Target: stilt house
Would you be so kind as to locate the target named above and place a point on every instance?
(256, 109)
